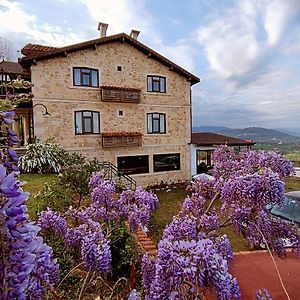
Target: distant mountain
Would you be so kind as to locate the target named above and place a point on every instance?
(292, 131)
(258, 134)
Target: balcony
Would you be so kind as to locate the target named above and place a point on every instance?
(121, 139)
(120, 94)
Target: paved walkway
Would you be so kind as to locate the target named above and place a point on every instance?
(255, 270)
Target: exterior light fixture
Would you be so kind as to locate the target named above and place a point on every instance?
(46, 113)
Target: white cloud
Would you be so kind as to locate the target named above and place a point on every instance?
(181, 53)
(238, 40)
(14, 19)
(269, 101)
(131, 14)
(122, 16)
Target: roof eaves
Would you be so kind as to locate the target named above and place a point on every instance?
(122, 37)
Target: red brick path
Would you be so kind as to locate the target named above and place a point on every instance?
(146, 243)
(256, 270)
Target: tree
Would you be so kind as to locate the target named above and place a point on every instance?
(192, 255)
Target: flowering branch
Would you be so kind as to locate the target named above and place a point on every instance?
(212, 202)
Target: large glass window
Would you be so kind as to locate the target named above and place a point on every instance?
(87, 122)
(166, 162)
(156, 84)
(85, 77)
(133, 164)
(156, 123)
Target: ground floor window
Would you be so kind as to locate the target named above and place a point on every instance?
(203, 160)
(166, 162)
(133, 164)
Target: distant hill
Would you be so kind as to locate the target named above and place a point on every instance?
(294, 132)
(258, 134)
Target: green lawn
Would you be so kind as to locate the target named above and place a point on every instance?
(292, 184)
(169, 205)
(35, 183)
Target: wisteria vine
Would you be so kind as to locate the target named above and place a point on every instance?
(192, 256)
(27, 268)
(90, 227)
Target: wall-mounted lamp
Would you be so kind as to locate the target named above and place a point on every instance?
(46, 113)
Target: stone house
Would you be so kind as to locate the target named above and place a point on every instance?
(118, 100)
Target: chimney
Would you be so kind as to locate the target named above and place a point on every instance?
(134, 34)
(102, 27)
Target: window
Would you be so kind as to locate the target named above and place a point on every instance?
(133, 164)
(156, 123)
(203, 156)
(119, 68)
(166, 162)
(156, 84)
(85, 77)
(87, 122)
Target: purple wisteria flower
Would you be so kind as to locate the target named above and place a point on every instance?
(53, 220)
(192, 254)
(263, 295)
(209, 221)
(95, 252)
(133, 295)
(26, 264)
(148, 271)
(187, 267)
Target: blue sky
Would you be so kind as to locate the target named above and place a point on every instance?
(246, 52)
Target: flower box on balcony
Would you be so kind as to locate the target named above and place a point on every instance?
(120, 94)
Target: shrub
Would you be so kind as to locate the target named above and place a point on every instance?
(54, 195)
(76, 174)
(42, 157)
(98, 236)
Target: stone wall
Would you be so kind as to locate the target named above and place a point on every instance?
(53, 86)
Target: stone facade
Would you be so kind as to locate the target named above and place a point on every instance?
(53, 87)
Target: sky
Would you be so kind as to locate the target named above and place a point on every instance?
(246, 52)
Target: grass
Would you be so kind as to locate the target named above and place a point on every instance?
(35, 183)
(292, 184)
(169, 206)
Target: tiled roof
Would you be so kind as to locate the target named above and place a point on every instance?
(34, 49)
(13, 68)
(119, 88)
(121, 37)
(210, 139)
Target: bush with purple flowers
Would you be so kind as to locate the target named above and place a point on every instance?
(94, 230)
(27, 268)
(192, 255)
